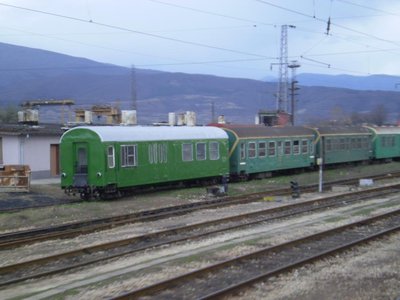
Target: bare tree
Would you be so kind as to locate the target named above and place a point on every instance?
(8, 114)
(378, 115)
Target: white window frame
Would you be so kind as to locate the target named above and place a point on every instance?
(202, 154)
(187, 150)
(214, 150)
(111, 157)
(126, 156)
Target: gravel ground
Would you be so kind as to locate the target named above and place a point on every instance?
(33, 218)
(137, 270)
(370, 272)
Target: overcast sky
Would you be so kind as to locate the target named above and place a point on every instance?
(234, 38)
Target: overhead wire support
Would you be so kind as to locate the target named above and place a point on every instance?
(328, 26)
(366, 34)
(282, 93)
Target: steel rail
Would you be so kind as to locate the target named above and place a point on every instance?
(231, 275)
(88, 255)
(19, 238)
(282, 190)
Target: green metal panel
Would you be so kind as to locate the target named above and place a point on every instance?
(341, 144)
(155, 161)
(385, 142)
(344, 148)
(244, 162)
(71, 147)
(386, 146)
(152, 169)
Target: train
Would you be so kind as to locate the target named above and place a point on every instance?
(107, 161)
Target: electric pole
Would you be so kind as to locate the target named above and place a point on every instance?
(293, 88)
(282, 94)
(133, 87)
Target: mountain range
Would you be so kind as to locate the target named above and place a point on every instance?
(30, 74)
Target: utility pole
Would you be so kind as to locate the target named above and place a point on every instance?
(282, 94)
(213, 112)
(293, 88)
(133, 88)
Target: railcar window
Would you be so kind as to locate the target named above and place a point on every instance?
(392, 141)
(157, 153)
(1, 151)
(262, 149)
(353, 143)
(304, 147)
(280, 148)
(128, 155)
(242, 151)
(82, 163)
(200, 151)
(358, 143)
(296, 147)
(271, 149)
(214, 150)
(163, 154)
(287, 148)
(328, 145)
(110, 157)
(342, 144)
(153, 155)
(151, 159)
(251, 151)
(388, 141)
(187, 152)
(365, 143)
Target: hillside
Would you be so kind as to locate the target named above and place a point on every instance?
(28, 74)
(366, 83)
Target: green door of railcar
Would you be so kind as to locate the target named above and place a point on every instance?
(111, 166)
(80, 164)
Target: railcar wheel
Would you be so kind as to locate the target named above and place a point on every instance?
(85, 196)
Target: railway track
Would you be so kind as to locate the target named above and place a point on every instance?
(230, 276)
(303, 188)
(89, 255)
(56, 202)
(20, 238)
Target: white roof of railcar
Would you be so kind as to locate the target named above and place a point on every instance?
(385, 129)
(153, 133)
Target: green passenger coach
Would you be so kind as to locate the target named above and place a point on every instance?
(256, 151)
(343, 144)
(102, 160)
(386, 142)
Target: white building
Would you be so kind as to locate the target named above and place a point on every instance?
(36, 146)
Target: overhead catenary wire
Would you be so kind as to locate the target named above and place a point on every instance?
(259, 56)
(366, 34)
(213, 13)
(136, 31)
(370, 8)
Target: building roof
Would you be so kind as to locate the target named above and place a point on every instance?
(152, 133)
(19, 129)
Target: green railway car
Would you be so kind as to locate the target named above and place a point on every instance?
(343, 144)
(385, 142)
(258, 150)
(103, 160)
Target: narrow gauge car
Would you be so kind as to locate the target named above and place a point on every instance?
(343, 144)
(256, 151)
(385, 142)
(106, 160)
